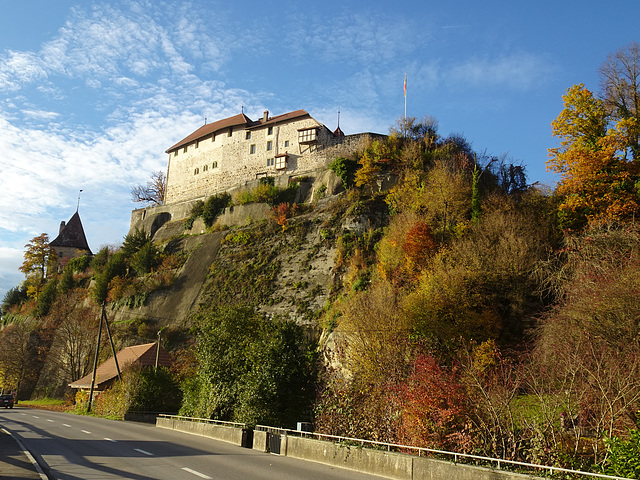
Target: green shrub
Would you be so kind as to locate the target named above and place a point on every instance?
(79, 264)
(46, 298)
(214, 206)
(345, 169)
(145, 259)
(624, 456)
(66, 280)
(251, 369)
(134, 242)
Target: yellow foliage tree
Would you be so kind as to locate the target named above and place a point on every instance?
(598, 179)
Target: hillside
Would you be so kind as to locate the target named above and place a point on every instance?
(432, 300)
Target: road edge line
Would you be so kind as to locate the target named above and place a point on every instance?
(37, 466)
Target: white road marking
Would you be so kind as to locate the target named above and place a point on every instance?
(144, 452)
(50, 421)
(84, 431)
(110, 440)
(201, 475)
(65, 425)
(35, 416)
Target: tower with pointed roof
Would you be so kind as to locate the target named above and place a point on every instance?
(71, 241)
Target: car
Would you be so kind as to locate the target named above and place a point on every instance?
(6, 401)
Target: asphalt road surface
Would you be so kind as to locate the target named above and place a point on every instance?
(73, 447)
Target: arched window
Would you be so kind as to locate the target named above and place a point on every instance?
(214, 165)
(196, 171)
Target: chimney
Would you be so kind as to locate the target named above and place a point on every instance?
(265, 116)
(62, 224)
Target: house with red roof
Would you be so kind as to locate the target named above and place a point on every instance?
(143, 356)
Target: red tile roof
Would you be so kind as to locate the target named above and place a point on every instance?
(237, 120)
(143, 355)
(209, 128)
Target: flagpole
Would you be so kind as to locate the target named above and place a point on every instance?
(405, 97)
(404, 128)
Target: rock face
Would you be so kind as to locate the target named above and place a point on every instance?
(287, 272)
(172, 306)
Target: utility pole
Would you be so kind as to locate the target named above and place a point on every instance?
(103, 317)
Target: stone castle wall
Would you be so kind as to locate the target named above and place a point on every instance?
(238, 156)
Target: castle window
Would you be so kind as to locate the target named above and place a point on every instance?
(184, 150)
(247, 136)
(270, 131)
(269, 146)
(213, 137)
(307, 135)
(286, 143)
(205, 168)
(197, 143)
(270, 162)
(196, 171)
(230, 131)
(214, 165)
(281, 162)
(175, 154)
(252, 149)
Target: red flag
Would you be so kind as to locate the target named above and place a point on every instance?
(405, 85)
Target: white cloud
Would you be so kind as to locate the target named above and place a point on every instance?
(517, 71)
(40, 114)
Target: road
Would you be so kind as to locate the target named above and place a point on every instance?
(73, 447)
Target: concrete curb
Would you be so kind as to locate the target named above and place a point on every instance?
(33, 461)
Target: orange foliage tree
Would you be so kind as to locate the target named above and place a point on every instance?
(599, 177)
(433, 404)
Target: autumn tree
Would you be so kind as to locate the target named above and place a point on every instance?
(586, 360)
(39, 260)
(153, 192)
(433, 402)
(598, 179)
(620, 84)
(19, 355)
(75, 326)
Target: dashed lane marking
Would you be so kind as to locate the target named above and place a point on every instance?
(194, 472)
(144, 452)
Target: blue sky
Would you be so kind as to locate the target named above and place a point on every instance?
(93, 93)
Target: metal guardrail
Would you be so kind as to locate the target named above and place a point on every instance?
(205, 420)
(420, 450)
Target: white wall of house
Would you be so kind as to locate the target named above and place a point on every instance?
(237, 155)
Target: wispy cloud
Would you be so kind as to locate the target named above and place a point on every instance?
(520, 71)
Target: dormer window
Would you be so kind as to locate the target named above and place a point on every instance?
(307, 135)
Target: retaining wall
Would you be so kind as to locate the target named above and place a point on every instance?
(219, 432)
(393, 465)
(389, 464)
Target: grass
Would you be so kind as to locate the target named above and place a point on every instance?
(42, 402)
(47, 404)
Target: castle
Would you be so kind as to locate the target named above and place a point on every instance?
(236, 152)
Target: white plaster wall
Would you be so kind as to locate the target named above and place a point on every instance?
(235, 164)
